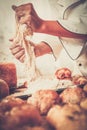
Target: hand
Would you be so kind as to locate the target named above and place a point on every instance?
(35, 20)
(42, 48)
(28, 17)
(17, 51)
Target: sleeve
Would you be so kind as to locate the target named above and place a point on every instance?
(75, 18)
(74, 26)
(52, 41)
(55, 45)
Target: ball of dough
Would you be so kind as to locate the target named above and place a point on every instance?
(22, 115)
(10, 102)
(72, 95)
(79, 80)
(43, 100)
(67, 117)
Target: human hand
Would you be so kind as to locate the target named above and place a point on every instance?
(26, 14)
(17, 50)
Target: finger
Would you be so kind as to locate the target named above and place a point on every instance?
(19, 54)
(13, 46)
(22, 58)
(18, 50)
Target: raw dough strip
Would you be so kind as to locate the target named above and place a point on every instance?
(23, 35)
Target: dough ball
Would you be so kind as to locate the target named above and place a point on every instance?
(67, 117)
(79, 80)
(43, 100)
(8, 103)
(72, 95)
(19, 116)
